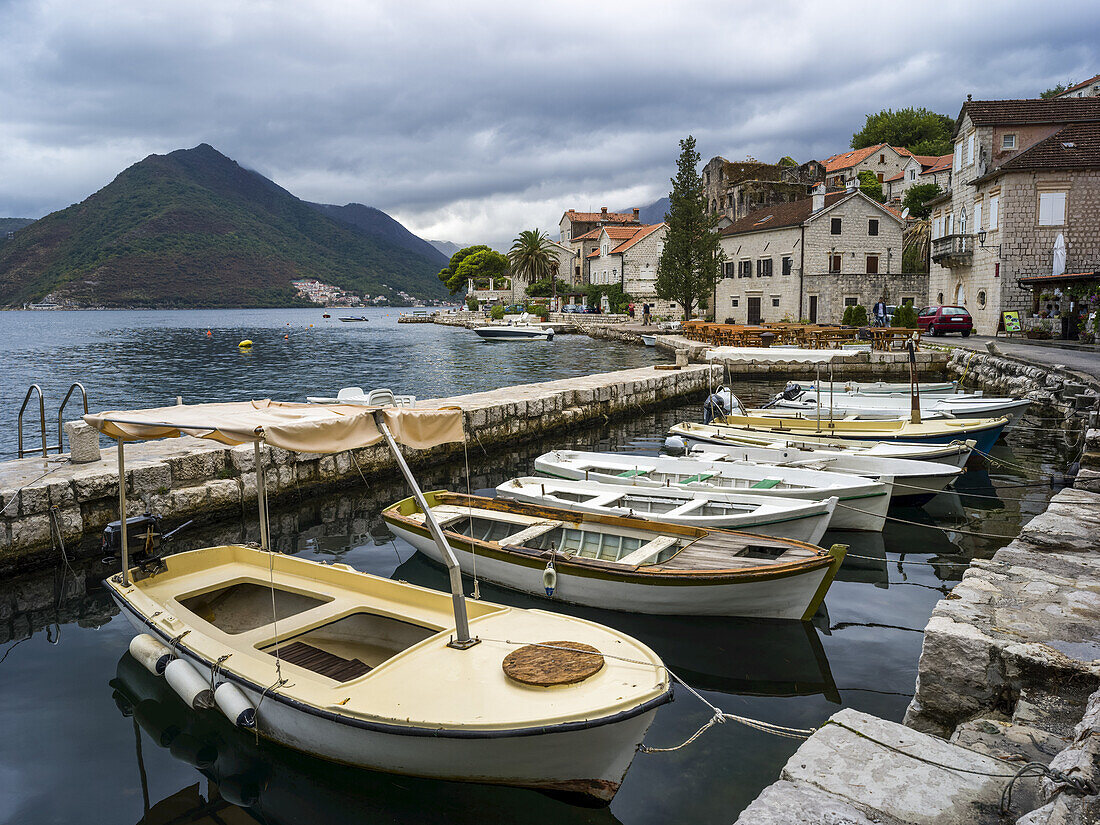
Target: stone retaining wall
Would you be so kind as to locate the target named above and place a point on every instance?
(186, 477)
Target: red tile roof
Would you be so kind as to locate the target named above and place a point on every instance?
(1081, 85)
(595, 217)
(620, 233)
(1076, 146)
(1055, 110)
(944, 163)
(642, 233)
(590, 235)
(930, 160)
(847, 160)
(898, 176)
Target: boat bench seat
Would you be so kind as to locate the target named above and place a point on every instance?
(532, 532)
(633, 473)
(766, 484)
(444, 514)
(649, 550)
(697, 477)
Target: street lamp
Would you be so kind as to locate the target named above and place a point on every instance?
(981, 238)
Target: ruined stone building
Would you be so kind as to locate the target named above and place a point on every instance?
(734, 189)
(1024, 173)
(812, 258)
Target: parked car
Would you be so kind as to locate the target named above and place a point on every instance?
(515, 309)
(939, 320)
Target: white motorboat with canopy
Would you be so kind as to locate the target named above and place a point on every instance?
(369, 671)
(862, 504)
(896, 406)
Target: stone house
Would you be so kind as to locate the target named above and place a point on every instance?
(628, 256)
(884, 161)
(918, 170)
(733, 190)
(580, 232)
(812, 258)
(1024, 172)
(1086, 88)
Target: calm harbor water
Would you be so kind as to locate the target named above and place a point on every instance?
(91, 737)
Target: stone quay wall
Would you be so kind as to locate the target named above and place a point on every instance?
(45, 501)
(1004, 375)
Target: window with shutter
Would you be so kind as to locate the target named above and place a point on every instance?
(978, 216)
(786, 266)
(957, 162)
(834, 263)
(994, 211)
(1052, 208)
(872, 226)
(834, 226)
(970, 149)
(872, 264)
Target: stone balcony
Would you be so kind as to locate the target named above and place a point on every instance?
(953, 250)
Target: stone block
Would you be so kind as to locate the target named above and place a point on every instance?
(193, 468)
(70, 522)
(223, 493)
(95, 484)
(789, 803)
(150, 478)
(61, 494)
(34, 499)
(242, 459)
(83, 442)
(30, 531)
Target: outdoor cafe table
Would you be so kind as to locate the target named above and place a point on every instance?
(884, 338)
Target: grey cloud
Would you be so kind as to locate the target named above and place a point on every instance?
(478, 119)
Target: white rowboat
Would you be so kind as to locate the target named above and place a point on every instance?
(862, 504)
(764, 516)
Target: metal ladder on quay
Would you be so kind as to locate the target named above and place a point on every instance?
(60, 445)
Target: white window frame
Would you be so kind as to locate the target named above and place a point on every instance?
(1052, 209)
(957, 162)
(1005, 141)
(994, 212)
(977, 216)
(970, 148)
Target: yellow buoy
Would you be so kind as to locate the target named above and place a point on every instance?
(245, 344)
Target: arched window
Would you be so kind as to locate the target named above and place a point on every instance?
(981, 298)
(939, 298)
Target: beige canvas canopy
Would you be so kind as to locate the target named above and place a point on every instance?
(307, 428)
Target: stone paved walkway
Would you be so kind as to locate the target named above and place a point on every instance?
(1046, 354)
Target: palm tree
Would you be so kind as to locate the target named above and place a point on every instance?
(531, 257)
(916, 243)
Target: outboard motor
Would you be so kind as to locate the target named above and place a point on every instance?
(145, 539)
(675, 445)
(720, 403)
(790, 393)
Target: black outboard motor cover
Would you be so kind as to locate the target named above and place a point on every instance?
(136, 527)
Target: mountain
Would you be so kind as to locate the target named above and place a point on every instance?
(448, 248)
(11, 224)
(374, 223)
(195, 229)
(654, 213)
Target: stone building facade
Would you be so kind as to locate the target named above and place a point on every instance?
(811, 258)
(734, 189)
(1024, 172)
(1086, 88)
(918, 169)
(883, 161)
(631, 261)
(580, 233)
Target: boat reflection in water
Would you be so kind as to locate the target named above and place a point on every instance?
(253, 779)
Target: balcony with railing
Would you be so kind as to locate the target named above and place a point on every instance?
(953, 250)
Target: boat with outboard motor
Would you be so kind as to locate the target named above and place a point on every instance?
(983, 431)
(955, 454)
(915, 482)
(862, 502)
(896, 406)
(368, 671)
(518, 329)
(763, 515)
(621, 563)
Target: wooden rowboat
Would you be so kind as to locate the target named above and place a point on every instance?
(620, 563)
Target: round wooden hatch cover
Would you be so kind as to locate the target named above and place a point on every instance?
(552, 663)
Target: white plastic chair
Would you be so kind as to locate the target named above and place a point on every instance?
(381, 398)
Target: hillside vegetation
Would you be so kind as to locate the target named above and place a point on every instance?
(194, 229)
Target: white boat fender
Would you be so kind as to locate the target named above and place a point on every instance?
(675, 445)
(550, 578)
(151, 653)
(191, 687)
(235, 705)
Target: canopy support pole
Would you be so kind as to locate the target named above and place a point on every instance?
(261, 496)
(122, 512)
(462, 625)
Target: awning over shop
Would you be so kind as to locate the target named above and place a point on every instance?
(1042, 280)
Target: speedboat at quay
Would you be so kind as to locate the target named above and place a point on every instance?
(620, 563)
(367, 671)
(896, 406)
(915, 482)
(779, 517)
(983, 431)
(520, 329)
(955, 454)
(862, 502)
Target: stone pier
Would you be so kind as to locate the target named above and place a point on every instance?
(44, 501)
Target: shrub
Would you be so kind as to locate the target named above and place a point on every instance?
(859, 315)
(497, 312)
(846, 318)
(906, 316)
(471, 303)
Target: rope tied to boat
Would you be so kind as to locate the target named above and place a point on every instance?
(958, 530)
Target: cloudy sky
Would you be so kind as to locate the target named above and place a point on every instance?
(468, 120)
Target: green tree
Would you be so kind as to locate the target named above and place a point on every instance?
(531, 257)
(905, 316)
(917, 196)
(449, 274)
(859, 316)
(920, 131)
(483, 264)
(870, 185)
(1054, 91)
(616, 298)
(787, 160)
(496, 312)
(846, 318)
(692, 257)
(546, 288)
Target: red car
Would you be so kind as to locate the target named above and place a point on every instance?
(938, 320)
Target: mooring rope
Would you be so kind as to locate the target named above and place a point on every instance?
(15, 496)
(931, 526)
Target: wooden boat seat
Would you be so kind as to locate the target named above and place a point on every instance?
(649, 550)
(532, 532)
(697, 477)
(444, 514)
(633, 473)
(322, 662)
(766, 484)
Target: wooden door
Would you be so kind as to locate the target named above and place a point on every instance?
(754, 310)
(813, 309)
